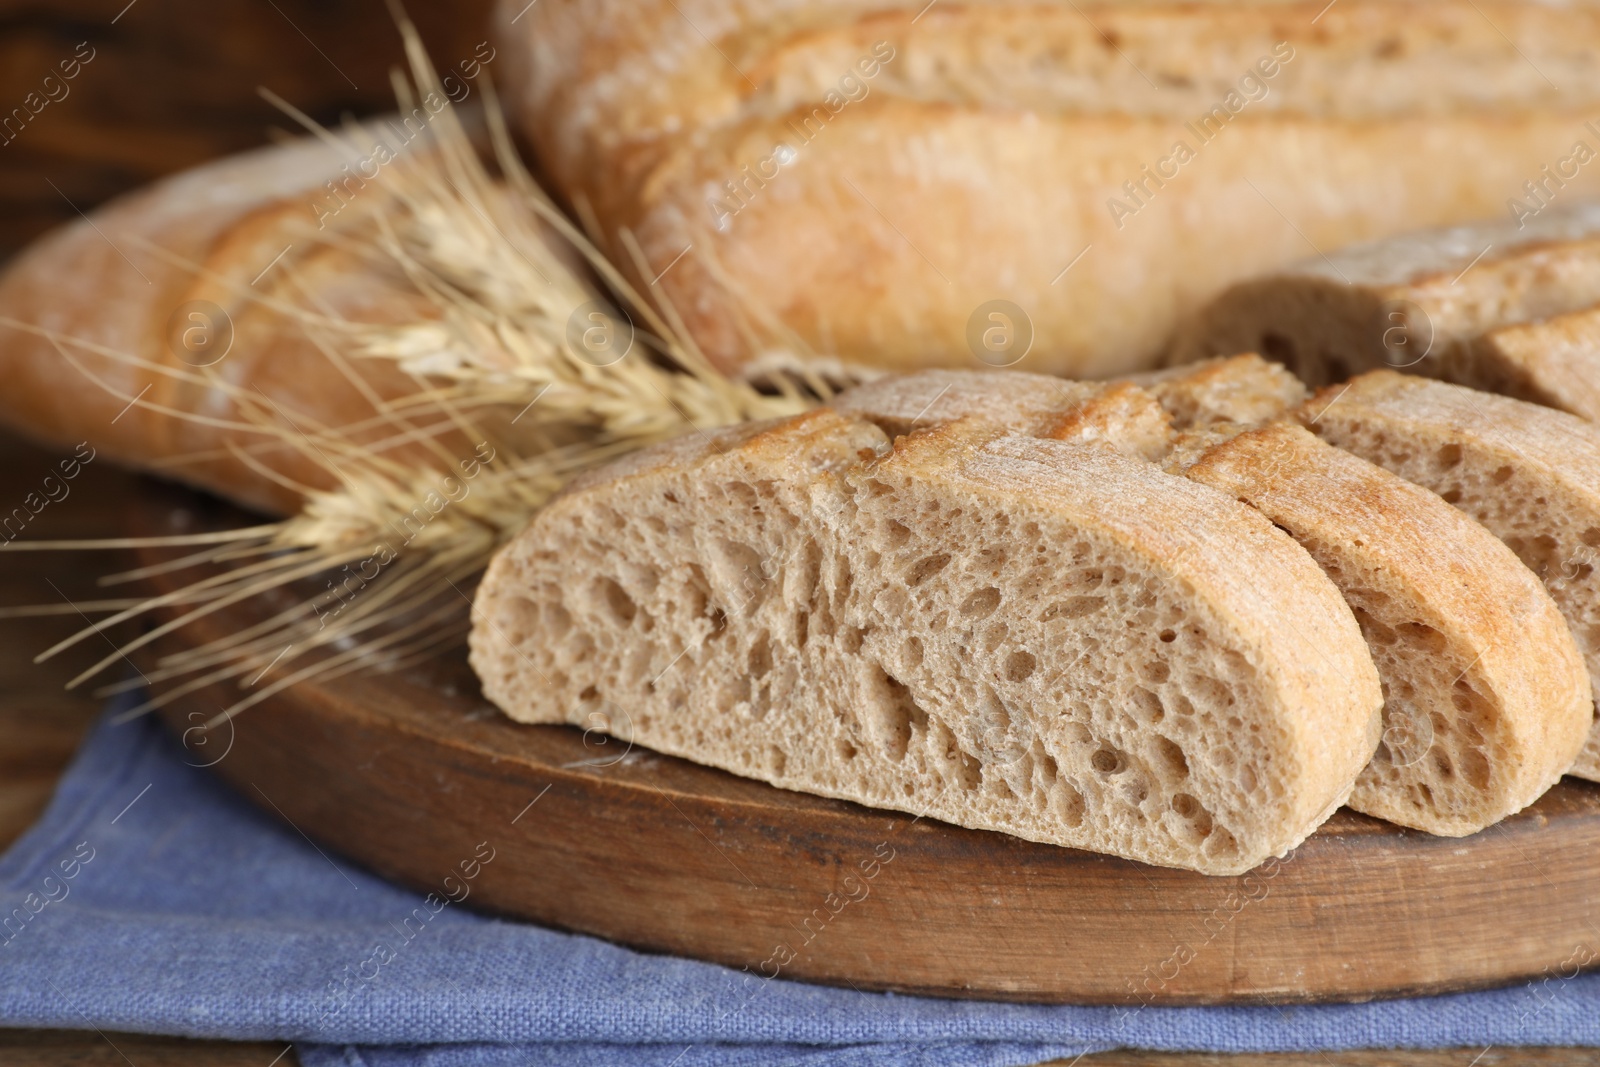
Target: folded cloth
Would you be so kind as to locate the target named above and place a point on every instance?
(152, 898)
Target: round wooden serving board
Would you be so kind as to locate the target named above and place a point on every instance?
(408, 773)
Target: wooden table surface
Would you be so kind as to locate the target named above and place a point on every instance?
(40, 725)
(173, 83)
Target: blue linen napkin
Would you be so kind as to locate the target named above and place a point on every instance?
(152, 898)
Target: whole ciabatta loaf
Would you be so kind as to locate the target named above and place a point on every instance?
(1502, 306)
(1041, 637)
(873, 174)
(1486, 700)
(1529, 474)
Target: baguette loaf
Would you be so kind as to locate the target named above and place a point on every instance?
(1500, 307)
(1045, 638)
(243, 239)
(1486, 698)
(1528, 474)
(876, 175)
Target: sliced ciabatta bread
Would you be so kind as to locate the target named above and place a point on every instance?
(1244, 389)
(1554, 362)
(1119, 414)
(1050, 639)
(1431, 303)
(1528, 474)
(1486, 699)
(1011, 400)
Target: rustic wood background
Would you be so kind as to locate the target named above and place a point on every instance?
(173, 83)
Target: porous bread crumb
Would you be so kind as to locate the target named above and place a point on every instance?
(1529, 474)
(1050, 639)
(1486, 700)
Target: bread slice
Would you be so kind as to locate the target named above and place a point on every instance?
(1486, 699)
(1528, 474)
(1432, 303)
(1045, 638)
(1554, 362)
(1245, 390)
(1013, 400)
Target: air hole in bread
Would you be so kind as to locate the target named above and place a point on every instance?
(697, 591)
(926, 568)
(1221, 844)
(1207, 692)
(893, 717)
(980, 604)
(850, 639)
(1475, 768)
(1108, 760)
(969, 771)
(519, 616)
(1067, 803)
(1169, 758)
(1423, 636)
(617, 600)
(735, 693)
(1074, 608)
(913, 651)
(1020, 666)
(759, 659)
(1195, 822)
(1147, 706)
(738, 572)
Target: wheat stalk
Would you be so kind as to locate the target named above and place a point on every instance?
(503, 271)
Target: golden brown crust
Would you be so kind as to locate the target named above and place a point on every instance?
(1121, 414)
(1243, 389)
(965, 175)
(240, 235)
(1499, 306)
